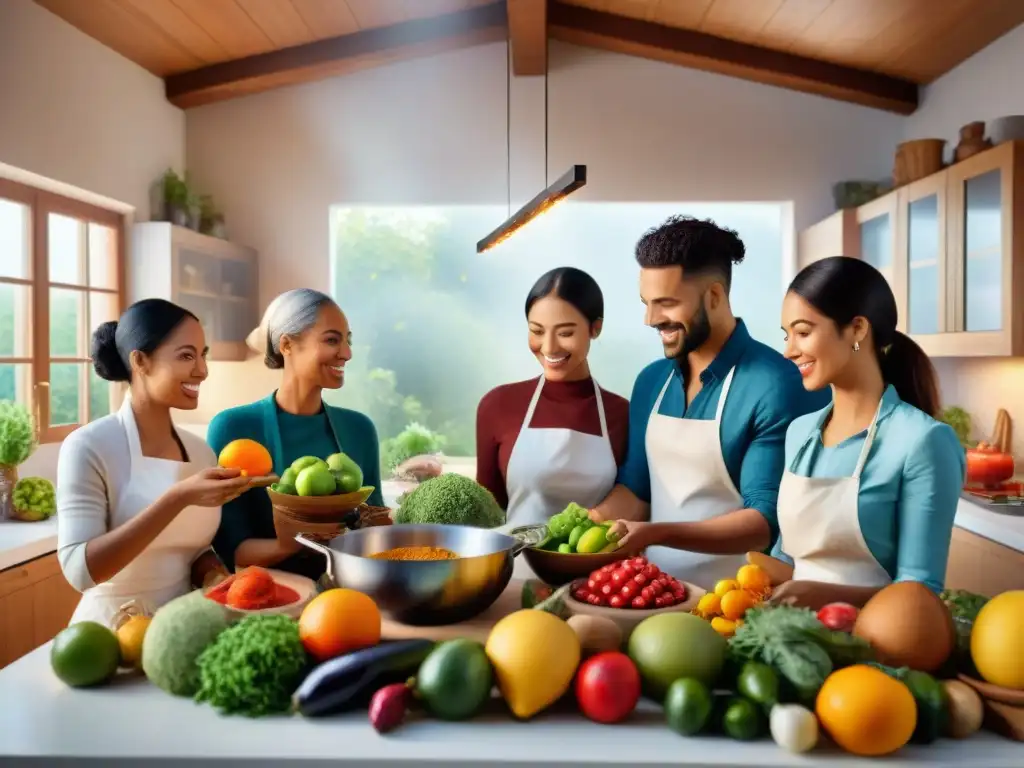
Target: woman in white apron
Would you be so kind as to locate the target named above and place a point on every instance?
(546, 442)
(138, 502)
(872, 482)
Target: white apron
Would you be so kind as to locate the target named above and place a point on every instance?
(163, 570)
(819, 524)
(550, 467)
(690, 482)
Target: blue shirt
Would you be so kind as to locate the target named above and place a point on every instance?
(767, 393)
(909, 487)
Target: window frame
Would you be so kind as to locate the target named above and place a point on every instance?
(41, 203)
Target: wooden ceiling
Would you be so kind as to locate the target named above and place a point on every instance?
(871, 52)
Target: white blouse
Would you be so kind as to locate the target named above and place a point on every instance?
(93, 469)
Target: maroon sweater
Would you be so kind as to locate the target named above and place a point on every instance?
(565, 404)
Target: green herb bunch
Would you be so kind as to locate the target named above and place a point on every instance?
(253, 667)
(17, 433)
(798, 646)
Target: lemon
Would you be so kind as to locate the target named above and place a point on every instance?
(534, 655)
(996, 640)
(129, 637)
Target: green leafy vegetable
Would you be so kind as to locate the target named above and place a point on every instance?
(785, 638)
(963, 604)
(451, 499)
(253, 667)
(17, 433)
(843, 648)
(560, 526)
(960, 421)
(414, 440)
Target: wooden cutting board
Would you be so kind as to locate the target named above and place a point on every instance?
(477, 628)
(1004, 719)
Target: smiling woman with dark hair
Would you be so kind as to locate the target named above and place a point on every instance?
(872, 481)
(545, 442)
(138, 502)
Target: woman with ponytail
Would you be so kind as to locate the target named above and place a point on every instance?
(872, 481)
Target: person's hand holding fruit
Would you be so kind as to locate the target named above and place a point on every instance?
(633, 536)
(212, 487)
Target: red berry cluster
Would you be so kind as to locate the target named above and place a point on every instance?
(633, 583)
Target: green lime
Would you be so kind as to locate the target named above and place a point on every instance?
(455, 680)
(759, 683)
(687, 706)
(564, 548)
(574, 537)
(742, 720)
(85, 654)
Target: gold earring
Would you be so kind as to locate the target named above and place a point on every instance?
(856, 346)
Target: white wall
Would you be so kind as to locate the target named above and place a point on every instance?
(75, 111)
(434, 131)
(988, 85)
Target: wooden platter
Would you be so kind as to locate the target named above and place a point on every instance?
(994, 692)
(477, 628)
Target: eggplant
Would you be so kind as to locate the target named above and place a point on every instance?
(348, 682)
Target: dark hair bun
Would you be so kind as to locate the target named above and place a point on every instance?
(106, 360)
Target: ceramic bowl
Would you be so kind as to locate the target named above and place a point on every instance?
(305, 588)
(557, 568)
(628, 618)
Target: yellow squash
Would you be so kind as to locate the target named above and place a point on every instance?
(534, 655)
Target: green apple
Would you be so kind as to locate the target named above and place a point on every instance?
(288, 477)
(315, 480)
(347, 474)
(307, 461)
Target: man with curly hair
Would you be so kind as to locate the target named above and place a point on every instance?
(707, 424)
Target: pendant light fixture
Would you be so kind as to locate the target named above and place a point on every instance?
(548, 197)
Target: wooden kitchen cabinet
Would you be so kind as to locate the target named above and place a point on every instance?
(951, 246)
(983, 566)
(36, 602)
(213, 278)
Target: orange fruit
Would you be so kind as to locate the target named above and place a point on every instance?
(736, 602)
(725, 585)
(247, 455)
(753, 578)
(339, 621)
(865, 711)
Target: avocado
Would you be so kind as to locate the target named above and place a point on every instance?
(455, 680)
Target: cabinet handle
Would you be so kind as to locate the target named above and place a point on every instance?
(41, 396)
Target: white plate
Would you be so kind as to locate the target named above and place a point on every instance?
(305, 587)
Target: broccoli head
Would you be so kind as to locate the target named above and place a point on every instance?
(561, 525)
(450, 499)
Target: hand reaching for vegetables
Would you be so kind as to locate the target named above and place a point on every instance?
(631, 535)
(803, 594)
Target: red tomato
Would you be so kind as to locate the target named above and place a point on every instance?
(607, 687)
(838, 616)
(592, 584)
(607, 589)
(602, 576)
(619, 578)
(640, 579)
(629, 590)
(639, 602)
(638, 562)
(651, 571)
(656, 588)
(617, 601)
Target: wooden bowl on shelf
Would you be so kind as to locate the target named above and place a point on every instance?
(628, 618)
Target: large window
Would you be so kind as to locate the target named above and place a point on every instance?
(436, 325)
(61, 275)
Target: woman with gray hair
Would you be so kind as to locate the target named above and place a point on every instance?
(306, 335)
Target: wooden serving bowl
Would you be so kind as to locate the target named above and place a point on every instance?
(628, 618)
(330, 508)
(289, 525)
(558, 568)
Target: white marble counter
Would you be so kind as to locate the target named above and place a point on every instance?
(136, 722)
(1007, 530)
(21, 542)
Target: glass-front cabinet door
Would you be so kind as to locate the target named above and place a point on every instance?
(982, 251)
(878, 226)
(923, 236)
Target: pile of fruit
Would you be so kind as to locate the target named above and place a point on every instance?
(729, 601)
(873, 679)
(33, 499)
(572, 532)
(312, 476)
(631, 583)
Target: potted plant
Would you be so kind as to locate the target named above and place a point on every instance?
(211, 220)
(18, 440)
(176, 198)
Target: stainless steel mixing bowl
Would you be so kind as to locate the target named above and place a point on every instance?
(424, 592)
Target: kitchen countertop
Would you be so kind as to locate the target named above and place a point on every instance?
(131, 722)
(21, 542)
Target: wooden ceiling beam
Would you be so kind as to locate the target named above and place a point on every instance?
(698, 50)
(528, 34)
(338, 55)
